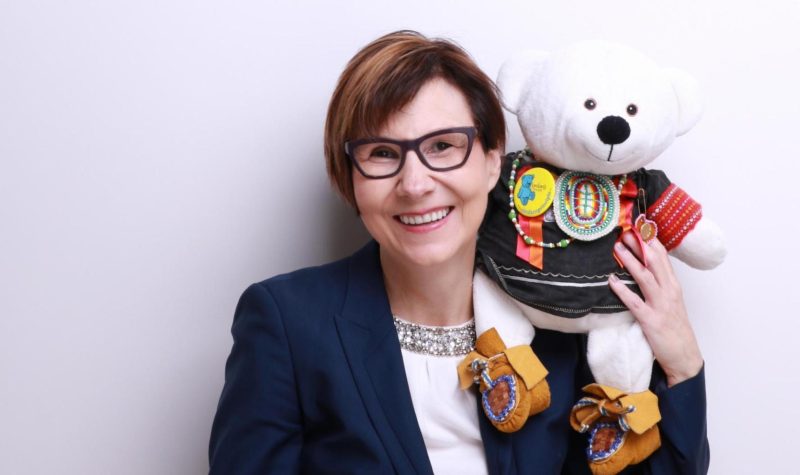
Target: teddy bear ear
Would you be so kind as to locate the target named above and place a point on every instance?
(515, 74)
(687, 90)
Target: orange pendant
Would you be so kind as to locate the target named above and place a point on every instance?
(646, 228)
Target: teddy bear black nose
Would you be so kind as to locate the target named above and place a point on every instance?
(613, 130)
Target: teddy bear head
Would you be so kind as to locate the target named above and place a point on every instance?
(598, 107)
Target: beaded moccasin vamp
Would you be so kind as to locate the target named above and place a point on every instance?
(511, 381)
(622, 427)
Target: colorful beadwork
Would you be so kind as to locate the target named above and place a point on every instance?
(512, 400)
(676, 214)
(587, 206)
(616, 444)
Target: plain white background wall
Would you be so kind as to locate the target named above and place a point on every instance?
(158, 156)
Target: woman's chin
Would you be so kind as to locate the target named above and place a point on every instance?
(430, 254)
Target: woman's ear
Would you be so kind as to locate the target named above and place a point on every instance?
(493, 163)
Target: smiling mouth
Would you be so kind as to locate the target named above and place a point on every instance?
(427, 218)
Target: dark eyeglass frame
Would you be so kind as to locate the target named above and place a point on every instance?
(406, 145)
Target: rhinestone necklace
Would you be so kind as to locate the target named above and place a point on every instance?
(435, 341)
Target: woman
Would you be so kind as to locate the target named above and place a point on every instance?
(318, 379)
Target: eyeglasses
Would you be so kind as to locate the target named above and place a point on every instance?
(442, 150)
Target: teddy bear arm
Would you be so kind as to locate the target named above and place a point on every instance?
(703, 247)
(682, 227)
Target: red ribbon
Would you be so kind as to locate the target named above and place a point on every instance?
(534, 255)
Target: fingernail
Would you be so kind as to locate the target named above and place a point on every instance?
(619, 247)
(613, 278)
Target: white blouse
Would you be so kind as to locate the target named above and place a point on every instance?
(446, 414)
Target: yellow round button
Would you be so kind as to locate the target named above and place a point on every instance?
(534, 191)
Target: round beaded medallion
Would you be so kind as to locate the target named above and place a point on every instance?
(586, 206)
(500, 397)
(605, 440)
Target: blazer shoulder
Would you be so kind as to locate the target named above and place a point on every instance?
(317, 287)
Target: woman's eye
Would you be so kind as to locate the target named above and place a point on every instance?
(437, 149)
(383, 153)
(441, 146)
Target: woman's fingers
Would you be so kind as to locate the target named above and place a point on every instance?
(657, 258)
(633, 245)
(661, 266)
(635, 304)
(647, 282)
(662, 313)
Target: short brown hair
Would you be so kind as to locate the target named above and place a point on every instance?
(385, 76)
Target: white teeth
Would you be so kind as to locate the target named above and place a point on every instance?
(425, 218)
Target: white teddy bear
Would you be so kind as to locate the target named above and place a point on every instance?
(593, 115)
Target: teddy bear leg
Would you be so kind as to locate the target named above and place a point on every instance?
(510, 376)
(495, 309)
(619, 413)
(619, 356)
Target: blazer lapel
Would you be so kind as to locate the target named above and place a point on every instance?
(497, 445)
(370, 343)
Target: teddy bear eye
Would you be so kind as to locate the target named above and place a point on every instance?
(590, 104)
(632, 109)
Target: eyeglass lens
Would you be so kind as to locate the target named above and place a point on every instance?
(439, 152)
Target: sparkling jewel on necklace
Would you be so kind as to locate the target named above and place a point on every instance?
(435, 341)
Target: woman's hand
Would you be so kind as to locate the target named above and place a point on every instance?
(662, 314)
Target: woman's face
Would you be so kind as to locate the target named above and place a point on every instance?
(455, 200)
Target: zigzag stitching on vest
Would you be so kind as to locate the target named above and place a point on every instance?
(552, 307)
(550, 274)
(578, 310)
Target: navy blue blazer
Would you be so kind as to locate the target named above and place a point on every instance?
(315, 384)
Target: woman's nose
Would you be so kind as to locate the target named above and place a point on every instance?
(415, 178)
